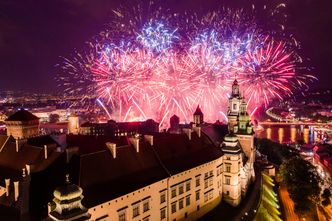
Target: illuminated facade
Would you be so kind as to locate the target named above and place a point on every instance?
(22, 125)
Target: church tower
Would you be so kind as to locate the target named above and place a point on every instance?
(198, 116)
(239, 121)
(234, 106)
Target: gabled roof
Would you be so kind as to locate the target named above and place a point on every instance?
(198, 111)
(22, 115)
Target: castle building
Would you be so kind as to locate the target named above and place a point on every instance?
(143, 176)
(22, 125)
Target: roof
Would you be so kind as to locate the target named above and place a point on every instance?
(174, 117)
(104, 178)
(41, 141)
(91, 144)
(12, 162)
(216, 132)
(22, 115)
(231, 144)
(198, 111)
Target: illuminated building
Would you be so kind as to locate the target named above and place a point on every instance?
(22, 125)
(73, 124)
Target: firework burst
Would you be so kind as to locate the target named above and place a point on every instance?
(153, 63)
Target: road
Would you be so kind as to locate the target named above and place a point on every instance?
(226, 212)
(288, 204)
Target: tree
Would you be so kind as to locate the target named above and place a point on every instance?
(326, 202)
(275, 152)
(326, 193)
(53, 118)
(302, 182)
(326, 197)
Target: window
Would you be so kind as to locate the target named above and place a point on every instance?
(206, 183)
(210, 195)
(180, 203)
(162, 197)
(234, 106)
(136, 210)
(188, 185)
(173, 207)
(228, 181)
(198, 181)
(180, 188)
(228, 168)
(146, 205)
(102, 218)
(206, 197)
(163, 213)
(206, 175)
(210, 181)
(211, 173)
(227, 193)
(197, 195)
(228, 158)
(122, 215)
(187, 200)
(146, 218)
(173, 192)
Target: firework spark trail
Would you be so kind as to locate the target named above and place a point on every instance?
(152, 64)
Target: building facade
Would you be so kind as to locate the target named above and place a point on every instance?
(22, 125)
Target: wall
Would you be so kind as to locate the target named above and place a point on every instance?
(110, 210)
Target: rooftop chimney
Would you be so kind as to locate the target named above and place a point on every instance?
(45, 151)
(17, 144)
(27, 166)
(188, 132)
(149, 138)
(16, 190)
(198, 130)
(112, 148)
(7, 182)
(135, 142)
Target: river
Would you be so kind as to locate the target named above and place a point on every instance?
(287, 133)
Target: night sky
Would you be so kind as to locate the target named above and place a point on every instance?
(33, 34)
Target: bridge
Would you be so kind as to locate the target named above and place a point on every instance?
(290, 123)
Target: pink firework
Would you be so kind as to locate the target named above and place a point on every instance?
(267, 71)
